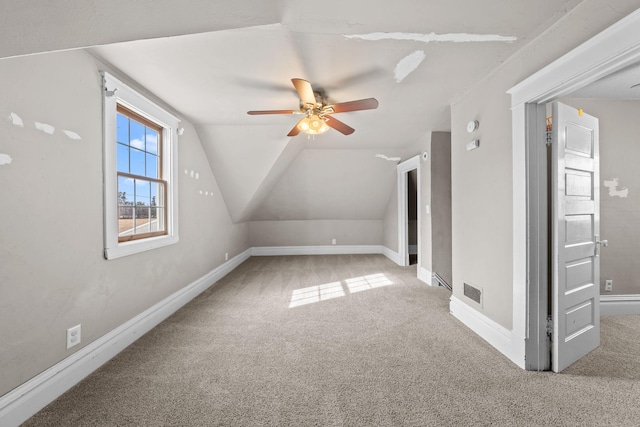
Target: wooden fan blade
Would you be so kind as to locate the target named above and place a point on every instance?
(257, 113)
(339, 126)
(362, 104)
(295, 129)
(305, 91)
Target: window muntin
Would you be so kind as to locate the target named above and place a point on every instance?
(141, 189)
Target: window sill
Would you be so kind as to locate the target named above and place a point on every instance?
(135, 246)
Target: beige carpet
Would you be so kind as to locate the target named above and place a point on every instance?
(365, 344)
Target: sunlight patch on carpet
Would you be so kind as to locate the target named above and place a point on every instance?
(316, 293)
(358, 284)
(313, 294)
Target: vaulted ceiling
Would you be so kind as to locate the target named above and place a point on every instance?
(214, 61)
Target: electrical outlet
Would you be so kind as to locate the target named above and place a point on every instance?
(226, 256)
(333, 241)
(74, 336)
(608, 285)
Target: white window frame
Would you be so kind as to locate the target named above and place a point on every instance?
(115, 92)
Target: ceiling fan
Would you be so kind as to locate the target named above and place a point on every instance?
(317, 114)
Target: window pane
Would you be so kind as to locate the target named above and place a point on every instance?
(142, 220)
(123, 158)
(125, 206)
(143, 193)
(137, 162)
(123, 129)
(156, 194)
(152, 166)
(141, 202)
(125, 220)
(125, 191)
(152, 141)
(137, 135)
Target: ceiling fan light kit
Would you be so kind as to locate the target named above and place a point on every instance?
(313, 125)
(317, 119)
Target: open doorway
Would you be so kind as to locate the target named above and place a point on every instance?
(409, 218)
(590, 62)
(615, 101)
(412, 216)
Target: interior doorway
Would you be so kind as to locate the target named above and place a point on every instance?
(604, 54)
(409, 218)
(412, 216)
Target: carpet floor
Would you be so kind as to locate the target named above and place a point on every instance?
(350, 340)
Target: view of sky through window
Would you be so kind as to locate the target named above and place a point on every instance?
(140, 193)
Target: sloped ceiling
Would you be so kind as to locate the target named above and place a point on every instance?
(36, 26)
(414, 56)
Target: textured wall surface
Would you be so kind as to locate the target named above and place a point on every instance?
(316, 232)
(53, 274)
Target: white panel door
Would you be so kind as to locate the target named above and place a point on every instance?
(576, 245)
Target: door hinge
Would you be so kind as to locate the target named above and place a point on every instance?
(549, 326)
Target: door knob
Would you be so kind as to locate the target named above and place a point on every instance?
(599, 244)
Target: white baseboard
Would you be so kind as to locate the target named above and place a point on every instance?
(426, 276)
(24, 401)
(392, 255)
(618, 305)
(504, 340)
(316, 250)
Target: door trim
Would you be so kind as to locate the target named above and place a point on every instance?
(609, 51)
(402, 169)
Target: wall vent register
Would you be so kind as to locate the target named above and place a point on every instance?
(472, 293)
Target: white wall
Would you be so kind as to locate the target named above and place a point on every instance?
(441, 204)
(52, 271)
(315, 232)
(482, 204)
(390, 221)
(343, 184)
(426, 231)
(326, 194)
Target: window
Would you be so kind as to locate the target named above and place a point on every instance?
(141, 189)
(140, 170)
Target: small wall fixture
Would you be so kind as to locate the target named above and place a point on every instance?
(473, 145)
(473, 125)
(425, 156)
